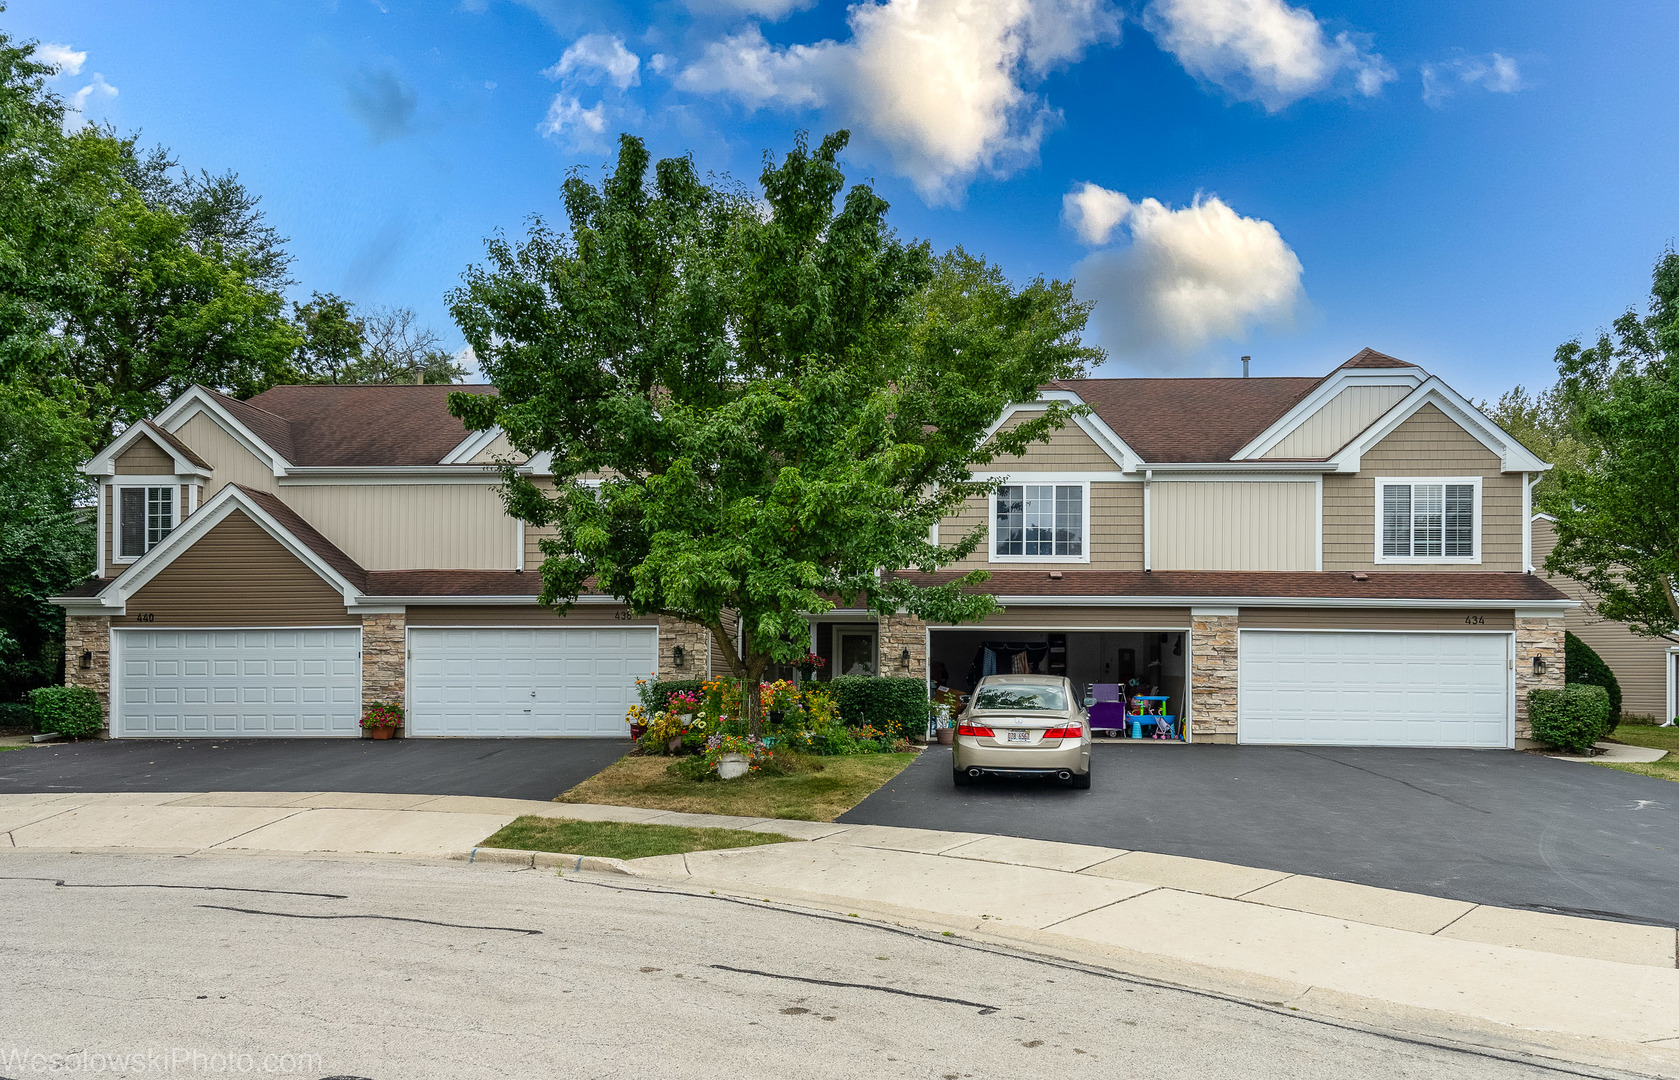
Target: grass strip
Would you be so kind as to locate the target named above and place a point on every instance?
(620, 839)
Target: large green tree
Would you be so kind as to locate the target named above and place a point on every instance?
(755, 409)
(1617, 506)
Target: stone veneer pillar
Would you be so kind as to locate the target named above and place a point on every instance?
(897, 633)
(1542, 638)
(384, 657)
(1212, 675)
(91, 634)
(696, 649)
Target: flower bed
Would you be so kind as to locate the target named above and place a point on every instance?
(800, 718)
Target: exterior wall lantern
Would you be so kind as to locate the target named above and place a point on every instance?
(1539, 665)
(904, 658)
(87, 659)
(678, 657)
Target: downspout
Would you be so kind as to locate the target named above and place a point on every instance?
(1148, 525)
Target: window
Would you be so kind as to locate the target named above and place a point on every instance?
(145, 515)
(1020, 697)
(1039, 521)
(1427, 521)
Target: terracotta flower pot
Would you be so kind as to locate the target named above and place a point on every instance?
(947, 736)
(382, 732)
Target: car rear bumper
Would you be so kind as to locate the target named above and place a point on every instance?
(1073, 757)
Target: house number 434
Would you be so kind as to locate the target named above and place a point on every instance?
(1475, 620)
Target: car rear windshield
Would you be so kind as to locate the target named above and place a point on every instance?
(1021, 696)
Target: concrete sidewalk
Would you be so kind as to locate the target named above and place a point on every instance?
(1606, 992)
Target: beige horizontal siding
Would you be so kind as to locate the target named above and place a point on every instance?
(1233, 525)
(1429, 443)
(1073, 617)
(1068, 450)
(411, 526)
(112, 567)
(1116, 531)
(1338, 421)
(498, 451)
(236, 575)
(534, 535)
(525, 615)
(229, 461)
(1445, 618)
(1639, 662)
(144, 457)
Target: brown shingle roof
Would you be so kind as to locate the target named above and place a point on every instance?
(168, 440)
(1260, 584)
(452, 583)
(308, 536)
(1370, 358)
(271, 429)
(351, 426)
(93, 586)
(1172, 420)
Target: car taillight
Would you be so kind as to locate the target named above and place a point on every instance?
(980, 732)
(1073, 731)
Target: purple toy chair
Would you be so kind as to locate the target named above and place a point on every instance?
(1108, 712)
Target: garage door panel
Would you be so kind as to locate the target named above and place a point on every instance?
(1371, 689)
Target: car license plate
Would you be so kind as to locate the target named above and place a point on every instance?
(1020, 736)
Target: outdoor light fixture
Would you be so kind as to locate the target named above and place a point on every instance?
(904, 656)
(87, 659)
(677, 657)
(1539, 665)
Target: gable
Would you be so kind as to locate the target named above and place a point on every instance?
(1430, 443)
(236, 574)
(498, 450)
(1339, 420)
(230, 461)
(144, 457)
(1070, 449)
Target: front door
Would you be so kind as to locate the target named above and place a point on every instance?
(856, 651)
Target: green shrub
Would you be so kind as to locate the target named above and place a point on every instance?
(16, 716)
(1572, 718)
(69, 710)
(1581, 664)
(895, 704)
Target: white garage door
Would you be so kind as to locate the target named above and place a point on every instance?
(1353, 689)
(545, 681)
(236, 683)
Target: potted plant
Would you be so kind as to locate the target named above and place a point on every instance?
(809, 664)
(382, 718)
(637, 719)
(945, 733)
(733, 756)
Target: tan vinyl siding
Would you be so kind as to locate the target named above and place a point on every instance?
(230, 462)
(1068, 450)
(145, 457)
(1072, 617)
(1116, 531)
(534, 535)
(498, 450)
(1252, 618)
(236, 575)
(525, 615)
(112, 567)
(1233, 525)
(411, 526)
(1338, 421)
(1429, 443)
(1639, 663)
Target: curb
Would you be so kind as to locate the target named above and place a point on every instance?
(563, 861)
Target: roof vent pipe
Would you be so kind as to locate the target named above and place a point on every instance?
(1245, 360)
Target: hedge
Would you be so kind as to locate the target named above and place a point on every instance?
(15, 715)
(69, 710)
(895, 704)
(1581, 664)
(1572, 718)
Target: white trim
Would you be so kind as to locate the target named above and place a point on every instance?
(519, 544)
(1429, 560)
(104, 463)
(374, 602)
(1318, 563)
(390, 475)
(99, 523)
(197, 399)
(1092, 425)
(1227, 470)
(1552, 608)
(1672, 690)
(1148, 520)
(1526, 612)
(1513, 456)
(1130, 629)
(471, 446)
(1527, 523)
(1028, 476)
(1212, 612)
(117, 484)
(1207, 476)
(1322, 395)
(1047, 480)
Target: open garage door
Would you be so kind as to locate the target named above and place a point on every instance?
(526, 681)
(1374, 689)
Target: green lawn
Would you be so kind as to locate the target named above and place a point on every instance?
(618, 839)
(1660, 738)
(822, 789)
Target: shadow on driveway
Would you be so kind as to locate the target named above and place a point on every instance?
(1486, 826)
(504, 768)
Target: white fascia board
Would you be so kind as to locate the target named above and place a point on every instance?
(1092, 425)
(211, 514)
(86, 605)
(1554, 606)
(541, 464)
(1542, 514)
(370, 602)
(197, 400)
(324, 475)
(1513, 457)
(104, 463)
(1215, 474)
(471, 446)
(1266, 440)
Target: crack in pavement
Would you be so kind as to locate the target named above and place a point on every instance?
(984, 1010)
(386, 918)
(1395, 779)
(63, 884)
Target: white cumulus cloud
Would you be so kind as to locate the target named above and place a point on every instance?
(1188, 277)
(567, 116)
(68, 61)
(1494, 72)
(598, 56)
(765, 9)
(945, 88)
(1264, 50)
(77, 104)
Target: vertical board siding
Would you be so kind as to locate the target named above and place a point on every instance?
(145, 458)
(1068, 449)
(1639, 663)
(1234, 525)
(411, 526)
(1338, 421)
(1429, 443)
(1116, 530)
(229, 461)
(236, 575)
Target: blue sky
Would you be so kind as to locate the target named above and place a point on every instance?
(1461, 185)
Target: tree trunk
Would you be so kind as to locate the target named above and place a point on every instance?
(752, 706)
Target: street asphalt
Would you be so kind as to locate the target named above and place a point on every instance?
(1487, 826)
(505, 768)
(290, 967)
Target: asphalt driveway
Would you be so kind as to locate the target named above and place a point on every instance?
(1486, 826)
(506, 768)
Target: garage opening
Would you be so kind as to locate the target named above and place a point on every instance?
(1143, 672)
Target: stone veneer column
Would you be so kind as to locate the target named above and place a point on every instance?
(897, 633)
(89, 633)
(1212, 675)
(696, 649)
(384, 657)
(1543, 638)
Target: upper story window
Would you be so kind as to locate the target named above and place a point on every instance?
(1039, 521)
(145, 515)
(1428, 520)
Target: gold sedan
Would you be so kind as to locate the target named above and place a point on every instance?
(1023, 725)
